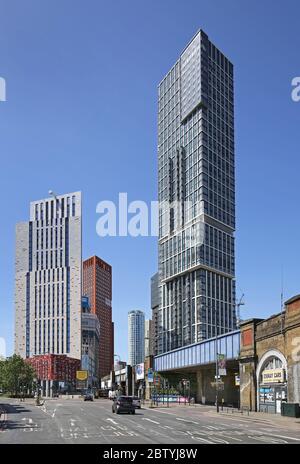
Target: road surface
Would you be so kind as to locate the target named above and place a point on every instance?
(75, 421)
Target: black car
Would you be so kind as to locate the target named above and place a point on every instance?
(136, 402)
(123, 404)
(88, 396)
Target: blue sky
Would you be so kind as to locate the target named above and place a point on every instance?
(81, 115)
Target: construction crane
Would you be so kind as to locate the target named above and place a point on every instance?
(238, 305)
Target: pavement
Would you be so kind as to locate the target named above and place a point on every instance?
(75, 421)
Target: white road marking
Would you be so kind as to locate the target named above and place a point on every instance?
(27, 418)
(72, 421)
(231, 438)
(150, 420)
(285, 437)
(251, 421)
(112, 421)
(185, 420)
(107, 427)
(120, 434)
(137, 425)
(162, 412)
(211, 427)
(166, 427)
(202, 439)
(229, 425)
(266, 439)
(220, 440)
(133, 434)
(212, 439)
(226, 434)
(28, 427)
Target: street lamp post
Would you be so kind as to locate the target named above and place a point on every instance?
(217, 371)
(217, 365)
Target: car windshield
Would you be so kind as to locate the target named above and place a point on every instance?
(125, 398)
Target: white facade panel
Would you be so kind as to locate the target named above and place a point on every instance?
(48, 278)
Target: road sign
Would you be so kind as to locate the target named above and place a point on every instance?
(150, 375)
(221, 364)
(218, 385)
(81, 379)
(156, 379)
(81, 375)
(81, 384)
(139, 371)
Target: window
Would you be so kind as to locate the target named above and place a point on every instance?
(68, 206)
(73, 205)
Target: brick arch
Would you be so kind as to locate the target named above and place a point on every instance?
(262, 362)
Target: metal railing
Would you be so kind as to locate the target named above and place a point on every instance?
(171, 399)
(230, 408)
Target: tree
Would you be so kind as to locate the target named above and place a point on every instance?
(15, 375)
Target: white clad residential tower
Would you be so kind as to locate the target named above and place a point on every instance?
(48, 278)
(136, 337)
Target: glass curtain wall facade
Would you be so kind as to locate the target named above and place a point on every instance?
(196, 175)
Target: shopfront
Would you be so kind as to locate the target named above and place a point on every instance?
(270, 360)
(272, 385)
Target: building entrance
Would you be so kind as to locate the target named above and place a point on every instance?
(270, 398)
(272, 386)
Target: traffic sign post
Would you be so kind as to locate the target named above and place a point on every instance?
(218, 385)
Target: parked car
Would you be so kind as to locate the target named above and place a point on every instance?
(102, 393)
(123, 404)
(136, 402)
(88, 396)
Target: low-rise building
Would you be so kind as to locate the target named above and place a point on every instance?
(270, 360)
(55, 373)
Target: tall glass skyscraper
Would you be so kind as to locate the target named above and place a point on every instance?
(136, 337)
(196, 175)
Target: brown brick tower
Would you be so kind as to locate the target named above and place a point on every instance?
(97, 285)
